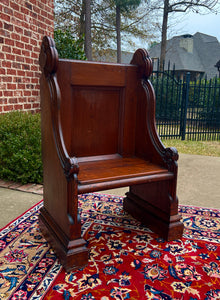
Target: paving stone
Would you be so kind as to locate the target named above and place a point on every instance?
(15, 185)
(29, 187)
(5, 184)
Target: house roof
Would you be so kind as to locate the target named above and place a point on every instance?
(198, 52)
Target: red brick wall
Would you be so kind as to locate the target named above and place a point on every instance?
(23, 23)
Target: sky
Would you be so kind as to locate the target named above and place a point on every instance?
(192, 23)
(189, 23)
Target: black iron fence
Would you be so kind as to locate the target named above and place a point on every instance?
(186, 109)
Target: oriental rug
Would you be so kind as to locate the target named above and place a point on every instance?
(127, 261)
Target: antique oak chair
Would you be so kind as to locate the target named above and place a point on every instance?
(98, 133)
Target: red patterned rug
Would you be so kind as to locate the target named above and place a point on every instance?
(127, 261)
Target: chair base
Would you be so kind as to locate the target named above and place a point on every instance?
(166, 226)
(72, 254)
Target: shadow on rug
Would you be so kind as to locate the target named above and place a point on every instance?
(127, 261)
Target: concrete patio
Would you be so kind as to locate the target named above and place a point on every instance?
(198, 185)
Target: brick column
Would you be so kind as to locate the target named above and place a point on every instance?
(23, 23)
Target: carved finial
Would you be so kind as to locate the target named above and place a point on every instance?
(142, 59)
(48, 59)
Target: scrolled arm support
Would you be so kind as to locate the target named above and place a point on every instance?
(49, 62)
(70, 167)
(171, 156)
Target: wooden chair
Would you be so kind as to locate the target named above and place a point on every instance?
(98, 133)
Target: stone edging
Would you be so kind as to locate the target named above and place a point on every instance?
(29, 187)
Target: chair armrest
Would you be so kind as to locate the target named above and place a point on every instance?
(48, 62)
(167, 156)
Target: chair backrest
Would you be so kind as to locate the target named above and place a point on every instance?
(98, 107)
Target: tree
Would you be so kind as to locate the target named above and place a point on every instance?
(125, 6)
(71, 14)
(170, 6)
(118, 32)
(88, 38)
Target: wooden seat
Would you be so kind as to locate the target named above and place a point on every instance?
(106, 173)
(99, 133)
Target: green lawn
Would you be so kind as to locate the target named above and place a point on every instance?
(209, 148)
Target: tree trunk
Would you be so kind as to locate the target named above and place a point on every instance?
(164, 34)
(88, 38)
(118, 30)
(82, 21)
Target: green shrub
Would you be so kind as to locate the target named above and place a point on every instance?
(20, 147)
(67, 46)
